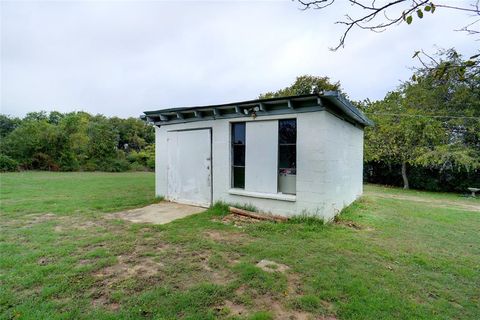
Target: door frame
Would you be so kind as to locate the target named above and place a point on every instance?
(211, 156)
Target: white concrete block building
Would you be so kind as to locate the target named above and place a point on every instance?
(286, 156)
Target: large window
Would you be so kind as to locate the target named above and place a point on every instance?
(238, 155)
(264, 156)
(287, 156)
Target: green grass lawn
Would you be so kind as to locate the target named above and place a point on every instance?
(62, 256)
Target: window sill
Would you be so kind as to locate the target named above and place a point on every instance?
(273, 196)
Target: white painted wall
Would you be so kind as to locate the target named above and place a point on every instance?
(261, 156)
(329, 164)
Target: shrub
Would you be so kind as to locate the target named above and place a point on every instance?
(151, 163)
(43, 161)
(68, 162)
(7, 163)
(115, 165)
(142, 160)
(135, 166)
(89, 166)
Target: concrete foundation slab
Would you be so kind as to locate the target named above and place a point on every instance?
(159, 213)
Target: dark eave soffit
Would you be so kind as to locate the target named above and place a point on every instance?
(262, 107)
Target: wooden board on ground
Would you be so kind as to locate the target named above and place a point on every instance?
(257, 215)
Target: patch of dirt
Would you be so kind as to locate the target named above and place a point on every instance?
(270, 303)
(39, 218)
(84, 262)
(226, 237)
(352, 225)
(294, 285)
(272, 266)
(220, 277)
(213, 274)
(349, 224)
(141, 268)
(129, 266)
(157, 247)
(102, 301)
(267, 304)
(233, 309)
(86, 225)
(43, 261)
(238, 220)
(66, 224)
(241, 290)
(281, 313)
(439, 203)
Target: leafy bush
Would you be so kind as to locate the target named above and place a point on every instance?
(43, 161)
(142, 160)
(69, 162)
(89, 166)
(151, 163)
(7, 163)
(137, 167)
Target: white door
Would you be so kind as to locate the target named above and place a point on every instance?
(189, 167)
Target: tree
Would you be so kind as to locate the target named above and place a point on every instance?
(74, 127)
(34, 144)
(432, 121)
(134, 134)
(305, 84)
(7, 125)
(378, 16)
(102, 141)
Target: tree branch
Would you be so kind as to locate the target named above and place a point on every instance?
(370, 19)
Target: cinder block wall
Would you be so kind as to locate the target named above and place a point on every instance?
(329, 164)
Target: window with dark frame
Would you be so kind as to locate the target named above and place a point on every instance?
(238, 155)
(287, 156)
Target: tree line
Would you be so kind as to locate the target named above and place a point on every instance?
(75, 141)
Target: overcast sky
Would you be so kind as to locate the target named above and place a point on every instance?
(121, 58)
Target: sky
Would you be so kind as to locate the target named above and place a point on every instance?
(120, 58)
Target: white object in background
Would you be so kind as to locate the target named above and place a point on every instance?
(473, 190)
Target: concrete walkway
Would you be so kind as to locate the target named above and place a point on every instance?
(159, 213)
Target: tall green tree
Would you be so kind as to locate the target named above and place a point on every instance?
(133, 134)
(8, 124)
(35, 144)
(102, 140)
(305, 84)
(432, 120)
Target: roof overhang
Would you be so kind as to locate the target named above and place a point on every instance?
(330, 101)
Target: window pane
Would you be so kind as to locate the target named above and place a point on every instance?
(239, 177)
(238, 133)
(287, 131)
(287, 156)
(239, 155)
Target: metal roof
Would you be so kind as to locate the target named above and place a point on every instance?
(331, 100)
